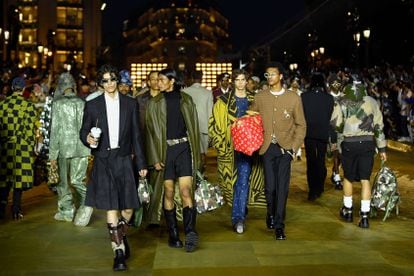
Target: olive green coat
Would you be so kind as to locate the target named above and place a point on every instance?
(156, 146)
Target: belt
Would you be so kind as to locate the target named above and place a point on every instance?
(112, 149)
(172, 142)
(359, 138)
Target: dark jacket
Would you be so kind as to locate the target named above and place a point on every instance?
(130, 141)
(317, 107)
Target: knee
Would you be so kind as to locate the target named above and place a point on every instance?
(169, 194)
(127, 212)
(185, 193)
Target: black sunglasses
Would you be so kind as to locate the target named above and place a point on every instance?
(104, 81)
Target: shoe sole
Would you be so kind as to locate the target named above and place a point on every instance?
(63, 218)
(191, 242)
(120, 268)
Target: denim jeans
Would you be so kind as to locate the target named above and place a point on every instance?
(241, 187)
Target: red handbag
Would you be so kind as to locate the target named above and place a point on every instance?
(247, 134)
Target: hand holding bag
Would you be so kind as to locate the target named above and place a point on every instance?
(247, 134)
(144, 191)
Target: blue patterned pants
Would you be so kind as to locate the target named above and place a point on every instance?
(241, 187)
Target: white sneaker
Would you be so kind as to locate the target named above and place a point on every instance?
(239, 227)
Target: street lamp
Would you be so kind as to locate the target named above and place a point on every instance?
(40, 55)
(366, 33)
(6, 44)
(322, 50)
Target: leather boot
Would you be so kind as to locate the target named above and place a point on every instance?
(191, 236)
(124, 227)
(115, 234)
(16, 209)
(363, 222)
(171, 219)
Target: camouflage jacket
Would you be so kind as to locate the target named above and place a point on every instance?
(359, 118)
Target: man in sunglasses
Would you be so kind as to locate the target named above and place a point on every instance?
(284, 132)
(112, 184)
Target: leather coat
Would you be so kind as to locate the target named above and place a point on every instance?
(156, 131)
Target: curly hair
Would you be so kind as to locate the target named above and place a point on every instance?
(106, 68)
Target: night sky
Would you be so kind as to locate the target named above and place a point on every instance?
(250, 21)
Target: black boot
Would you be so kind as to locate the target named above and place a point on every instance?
(270, 222)
(119, 261)
(124, 227)
(115, 234)
(191, 236)
(171, 219)
(16, 209)
(363, 222)
(346, 214)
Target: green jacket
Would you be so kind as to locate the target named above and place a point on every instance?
(156, 132)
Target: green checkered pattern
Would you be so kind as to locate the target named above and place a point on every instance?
(17, 124)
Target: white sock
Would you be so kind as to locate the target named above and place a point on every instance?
(365, 205)
(348, 201)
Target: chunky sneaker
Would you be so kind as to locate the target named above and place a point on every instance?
(346, 214)
(363, 222)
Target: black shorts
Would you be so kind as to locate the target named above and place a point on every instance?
(357, 159)
(178, 161)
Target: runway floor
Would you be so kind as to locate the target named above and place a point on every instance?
(317, 241)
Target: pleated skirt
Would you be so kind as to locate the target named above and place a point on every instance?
(112, 184)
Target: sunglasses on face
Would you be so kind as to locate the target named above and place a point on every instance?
(105, 81)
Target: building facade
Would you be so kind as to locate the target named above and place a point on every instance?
(51, 34)
(179, 33)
